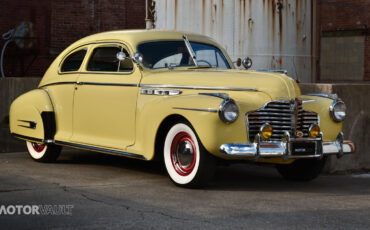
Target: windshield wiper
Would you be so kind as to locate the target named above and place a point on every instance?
(190, 49)
(202, 67)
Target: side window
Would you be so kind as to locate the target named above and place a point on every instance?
(105, 59)
(73, 61)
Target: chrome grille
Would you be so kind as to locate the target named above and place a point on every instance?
(282, 116)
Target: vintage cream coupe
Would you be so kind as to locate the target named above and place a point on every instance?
(151, 94)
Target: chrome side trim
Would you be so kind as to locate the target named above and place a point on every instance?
(59, 83)
(198, 87)
(325, 95)
(31, 124)
(26, 138)
(87, 147)
(160, 92)
(194, 109)
(89, 83)
(219, 95)
(106, 84)
(98, 149)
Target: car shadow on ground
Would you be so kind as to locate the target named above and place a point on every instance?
(233, 177)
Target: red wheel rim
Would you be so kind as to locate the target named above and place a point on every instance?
(38, 147)
(183, 153)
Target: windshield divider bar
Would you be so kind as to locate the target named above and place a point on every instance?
(190, 49)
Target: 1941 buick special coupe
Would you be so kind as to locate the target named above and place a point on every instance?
(151, 94)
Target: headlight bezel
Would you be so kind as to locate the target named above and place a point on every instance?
(332, 111)
(222, 110)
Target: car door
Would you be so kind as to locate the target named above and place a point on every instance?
(105, 99)
(62, 91)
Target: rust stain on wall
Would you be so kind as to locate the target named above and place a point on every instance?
(175, 21)
(250, 19)
(243, 7)
(203, 14)
(280, 25)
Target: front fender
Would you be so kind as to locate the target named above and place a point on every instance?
(26, 115)
(212, 132)
(320, 105)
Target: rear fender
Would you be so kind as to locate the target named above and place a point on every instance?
(31, 116)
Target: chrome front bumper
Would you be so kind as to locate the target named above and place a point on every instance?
(287, 148)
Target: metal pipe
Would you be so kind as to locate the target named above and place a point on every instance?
(146, 9)
(8, 36)
(148, 21)
(2, 58)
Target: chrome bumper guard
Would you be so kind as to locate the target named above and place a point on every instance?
(286, 149)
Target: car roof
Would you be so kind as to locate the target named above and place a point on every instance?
(135, 37)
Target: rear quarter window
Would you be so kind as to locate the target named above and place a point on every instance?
(73, 61)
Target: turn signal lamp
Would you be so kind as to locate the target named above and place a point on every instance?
(266, 131)
(314, 130)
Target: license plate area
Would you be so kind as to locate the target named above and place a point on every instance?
(303, 148)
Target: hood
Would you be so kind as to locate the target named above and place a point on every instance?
(277, 86)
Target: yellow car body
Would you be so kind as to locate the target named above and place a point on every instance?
(126, 112)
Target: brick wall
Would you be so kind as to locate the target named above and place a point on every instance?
(58, 23)
(347, 15)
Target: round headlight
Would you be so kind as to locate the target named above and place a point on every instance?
(229, 111)
(266, 131)
(314, 130)
(338, 110)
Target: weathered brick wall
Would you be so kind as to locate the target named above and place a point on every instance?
(31, 62)
(347, 15)
(72, 20)
(57, 23)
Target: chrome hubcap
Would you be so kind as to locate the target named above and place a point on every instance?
(183, 153)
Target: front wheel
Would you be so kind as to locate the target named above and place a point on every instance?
(42, 152)
(302, 169)
(187, 162)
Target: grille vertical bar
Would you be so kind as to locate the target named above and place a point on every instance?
(282, 116)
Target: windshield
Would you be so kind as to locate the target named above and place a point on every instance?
(164, 54)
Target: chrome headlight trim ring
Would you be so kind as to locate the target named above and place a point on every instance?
(223, 109)
(333, 111)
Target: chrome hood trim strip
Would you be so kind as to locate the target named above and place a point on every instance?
(195, 109)
(199, 87)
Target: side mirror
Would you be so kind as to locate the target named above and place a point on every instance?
(121, 56)
(238, 62)
(137, 57)
(247, 63)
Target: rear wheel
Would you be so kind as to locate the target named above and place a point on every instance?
(187, 162)
(302, 169)
(43, 152)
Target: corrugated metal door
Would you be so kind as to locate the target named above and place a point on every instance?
(275, 34)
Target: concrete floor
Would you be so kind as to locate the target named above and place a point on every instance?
(109, 192)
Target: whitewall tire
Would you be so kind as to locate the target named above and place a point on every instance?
(187, 162)
(43, 152)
